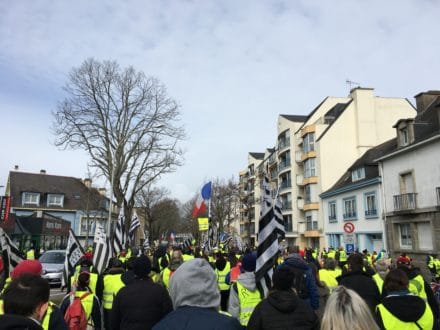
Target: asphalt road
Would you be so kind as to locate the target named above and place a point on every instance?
(56, 295)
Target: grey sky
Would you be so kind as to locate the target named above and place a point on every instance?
(233, 66)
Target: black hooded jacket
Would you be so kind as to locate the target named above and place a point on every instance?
(406, 307)
(16, 322)
(283, 310)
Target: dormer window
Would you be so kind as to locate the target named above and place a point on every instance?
(30, 198)
(404, 136)
(358, 174)
(55, 200)
(405, 132)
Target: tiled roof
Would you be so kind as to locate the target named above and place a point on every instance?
(76, 194)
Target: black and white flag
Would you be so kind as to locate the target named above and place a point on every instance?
(74, 253)
(119, 236)
(135, 224)
(270, 230)
(102, 250)
(11, 255)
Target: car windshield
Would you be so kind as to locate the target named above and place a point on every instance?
(53, 258)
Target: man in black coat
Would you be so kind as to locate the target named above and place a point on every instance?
(142, 303)
(283, 309)
(360, 282)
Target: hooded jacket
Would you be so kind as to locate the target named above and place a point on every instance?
(16, 322)
(247, 279)
(283, 310)
(196, 300)
(294, 260)
(404, 306)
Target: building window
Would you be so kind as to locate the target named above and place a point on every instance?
(310, 224)
(286, 201)
(288, 226)
(309, 142)
(404, 139)
(405, 236)
(424, 235)
(252, 228)
(358, 174)
(31, 198)
(370, 205)
(285, 181)
(284, 140)
(55, 200)
(309, 167)
(83, 228)
(307, 194)
(349, 208)
(332, 211)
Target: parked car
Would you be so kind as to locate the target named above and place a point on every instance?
(53, 264)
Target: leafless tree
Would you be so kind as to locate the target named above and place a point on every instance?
(125, 121)
(224, 202)
(167, 215)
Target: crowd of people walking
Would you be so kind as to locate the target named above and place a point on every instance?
(175, 288)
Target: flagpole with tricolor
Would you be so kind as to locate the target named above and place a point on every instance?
(200, 210)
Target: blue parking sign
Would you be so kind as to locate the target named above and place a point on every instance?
(349, 248)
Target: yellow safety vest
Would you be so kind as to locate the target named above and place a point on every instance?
(187, 257)
(331, 254)
(160, 261)
(342, 256)
(328, 276)
(87, 304)
(248, 301)
(112, 284)
(92, 281)
(392, 322)
(379, 282)
(417, 286)
(437, 266)
(166, 274)
(47, 315)
(221, 277)
(30, 255)
(431, 263)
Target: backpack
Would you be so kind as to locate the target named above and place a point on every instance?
(75, 315)
(300, 283)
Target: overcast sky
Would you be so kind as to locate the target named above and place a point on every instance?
(233, 66)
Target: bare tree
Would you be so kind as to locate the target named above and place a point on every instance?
(224, 202)
(166, 211)
(125, 121)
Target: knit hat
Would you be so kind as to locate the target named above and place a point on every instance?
(142, 266)
(194, 283)
(27, 267)
(249, 262)
(282, 278)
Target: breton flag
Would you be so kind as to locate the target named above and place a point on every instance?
(74, 253)
(102, 249)
(119, 236)
(10, 253)
(135, 224)
(271, 228)
(205, 194)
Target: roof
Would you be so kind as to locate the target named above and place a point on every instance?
(334, 112)
(257, 155)
(295, 118)
(367, 162)
(76, 194)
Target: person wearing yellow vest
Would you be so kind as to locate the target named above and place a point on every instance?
(89, 302)
(328, 274)
(381, 268)
(342, 257)
(331, 253)
(175, 261)
(94, 284)
(431, 263)
(244, 295)
(113, 282)
(30, 254)
(222, 268)
(52, 319)
(25, 302)
(400, 309)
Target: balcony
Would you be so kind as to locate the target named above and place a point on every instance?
(300, 203)
(298, 156)
(273, 174)
(286, 205)
(284, 164)
(311, 225)
(285, 184)
(299, 180)
(283, 144)
(370, 213)
(405, 202)
(349, 215)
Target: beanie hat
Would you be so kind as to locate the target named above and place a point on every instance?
(194, 283)
(249, 262)
(27, 267)
(283, 277)
(142, 266)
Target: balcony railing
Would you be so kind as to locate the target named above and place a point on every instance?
(405, 202)
(300, 203)
(286, 184)
(283, 143)
(370, 213)
(349, 215)
(283, 165)
(298, 156)
(287, 205)
(312, 225)
(332, 218)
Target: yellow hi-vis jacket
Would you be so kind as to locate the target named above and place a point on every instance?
(166, 275)
(30, 255)
(187, 257)
(328, 276)
(391, 322)
(112, 284)
(92, 281)
(331, 254)
(87, 304)
(379, 282)
(417, 286)
(47, 315)
(221, 277)
(248, 301)
(342, 256)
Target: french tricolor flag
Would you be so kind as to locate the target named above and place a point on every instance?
(200, 207)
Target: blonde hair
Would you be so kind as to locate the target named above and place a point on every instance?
(345, 309)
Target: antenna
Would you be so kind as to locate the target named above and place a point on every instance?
(351, 83)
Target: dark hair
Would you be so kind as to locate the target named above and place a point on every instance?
(396, 280)
(282, 278)
(25, 294)
(232, 259)
(356, 262)
(129, 262)
(83, 281)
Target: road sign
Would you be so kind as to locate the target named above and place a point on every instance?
(349, 248)
(349, 238)
(349, 227)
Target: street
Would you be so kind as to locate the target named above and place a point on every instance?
(56, 295)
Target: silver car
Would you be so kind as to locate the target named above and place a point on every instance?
(53, 264)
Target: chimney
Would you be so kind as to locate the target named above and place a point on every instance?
(102, 191)
(88, 182)
(424, 99)
(16, 167)
(42, 171)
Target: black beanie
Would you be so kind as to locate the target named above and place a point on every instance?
(282, 278)
(142, 266)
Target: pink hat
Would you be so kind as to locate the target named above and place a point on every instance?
(27, 266)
